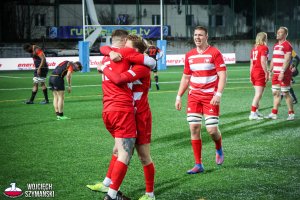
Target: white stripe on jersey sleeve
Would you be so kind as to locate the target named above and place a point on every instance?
(132, 73)
(278, 60)
(129, 85)
(137, 95)
(203, 80)
(202, 66)
(137, 82)
(107, 63)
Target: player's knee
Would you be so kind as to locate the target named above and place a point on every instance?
(145, 159)
(213, 131)
(211, 121)
(194, 118)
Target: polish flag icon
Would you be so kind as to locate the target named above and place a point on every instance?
(13, 191)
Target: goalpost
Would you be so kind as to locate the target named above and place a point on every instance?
(87, 42)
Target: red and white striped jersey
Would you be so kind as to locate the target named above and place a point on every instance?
(139, 75)
(119, 97)
(279, 50)
(203, 68)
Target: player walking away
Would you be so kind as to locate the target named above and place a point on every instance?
(57, 85)
(40, 72)
(118, 113)
(282, 74)
(258, 72)
(295, 72)
(205, 74)
(140, 77)
(156, 53)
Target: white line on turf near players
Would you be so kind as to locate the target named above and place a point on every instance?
(99, 95)
(13, 77)
(170, 82)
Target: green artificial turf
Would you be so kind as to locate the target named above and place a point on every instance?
(262, 158)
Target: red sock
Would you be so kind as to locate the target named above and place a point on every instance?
(218, 144)
(291, 112)
(111, 166)
(253, 108)
(117, 175)
(274, 111)
(149, 172)
(197, 147)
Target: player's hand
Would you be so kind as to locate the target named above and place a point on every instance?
(114, 56)
(280, 77)
(39, 72)
(267, 76)
(178, 105)
(69, 89)
(215, 100)
(99, 68)
(293, 69)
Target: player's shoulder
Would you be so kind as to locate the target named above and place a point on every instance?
(263, 47)
(213, 51)
(192, 52)
(287, 44)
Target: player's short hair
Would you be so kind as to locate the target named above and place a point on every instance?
(286, 31)
(27, 47)
(119, 33)
(137, 42)
(261, 38)
(79, 65)
(201, 28)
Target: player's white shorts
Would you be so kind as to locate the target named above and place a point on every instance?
(39, 79)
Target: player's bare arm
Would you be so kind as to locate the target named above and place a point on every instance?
(264, 64)
(251, 66)
(221, 85)
(69, 75)
(184, 83)
(286, 64)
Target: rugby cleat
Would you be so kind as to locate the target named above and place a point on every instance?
(198, 168)
(146, 197)
(28, 102)
(62, 117)
(99, 187)
(219, 157)
(119, 196)
(44, 102)
(254, 116)
(259, 114)
(291, 117)
(271, 116)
